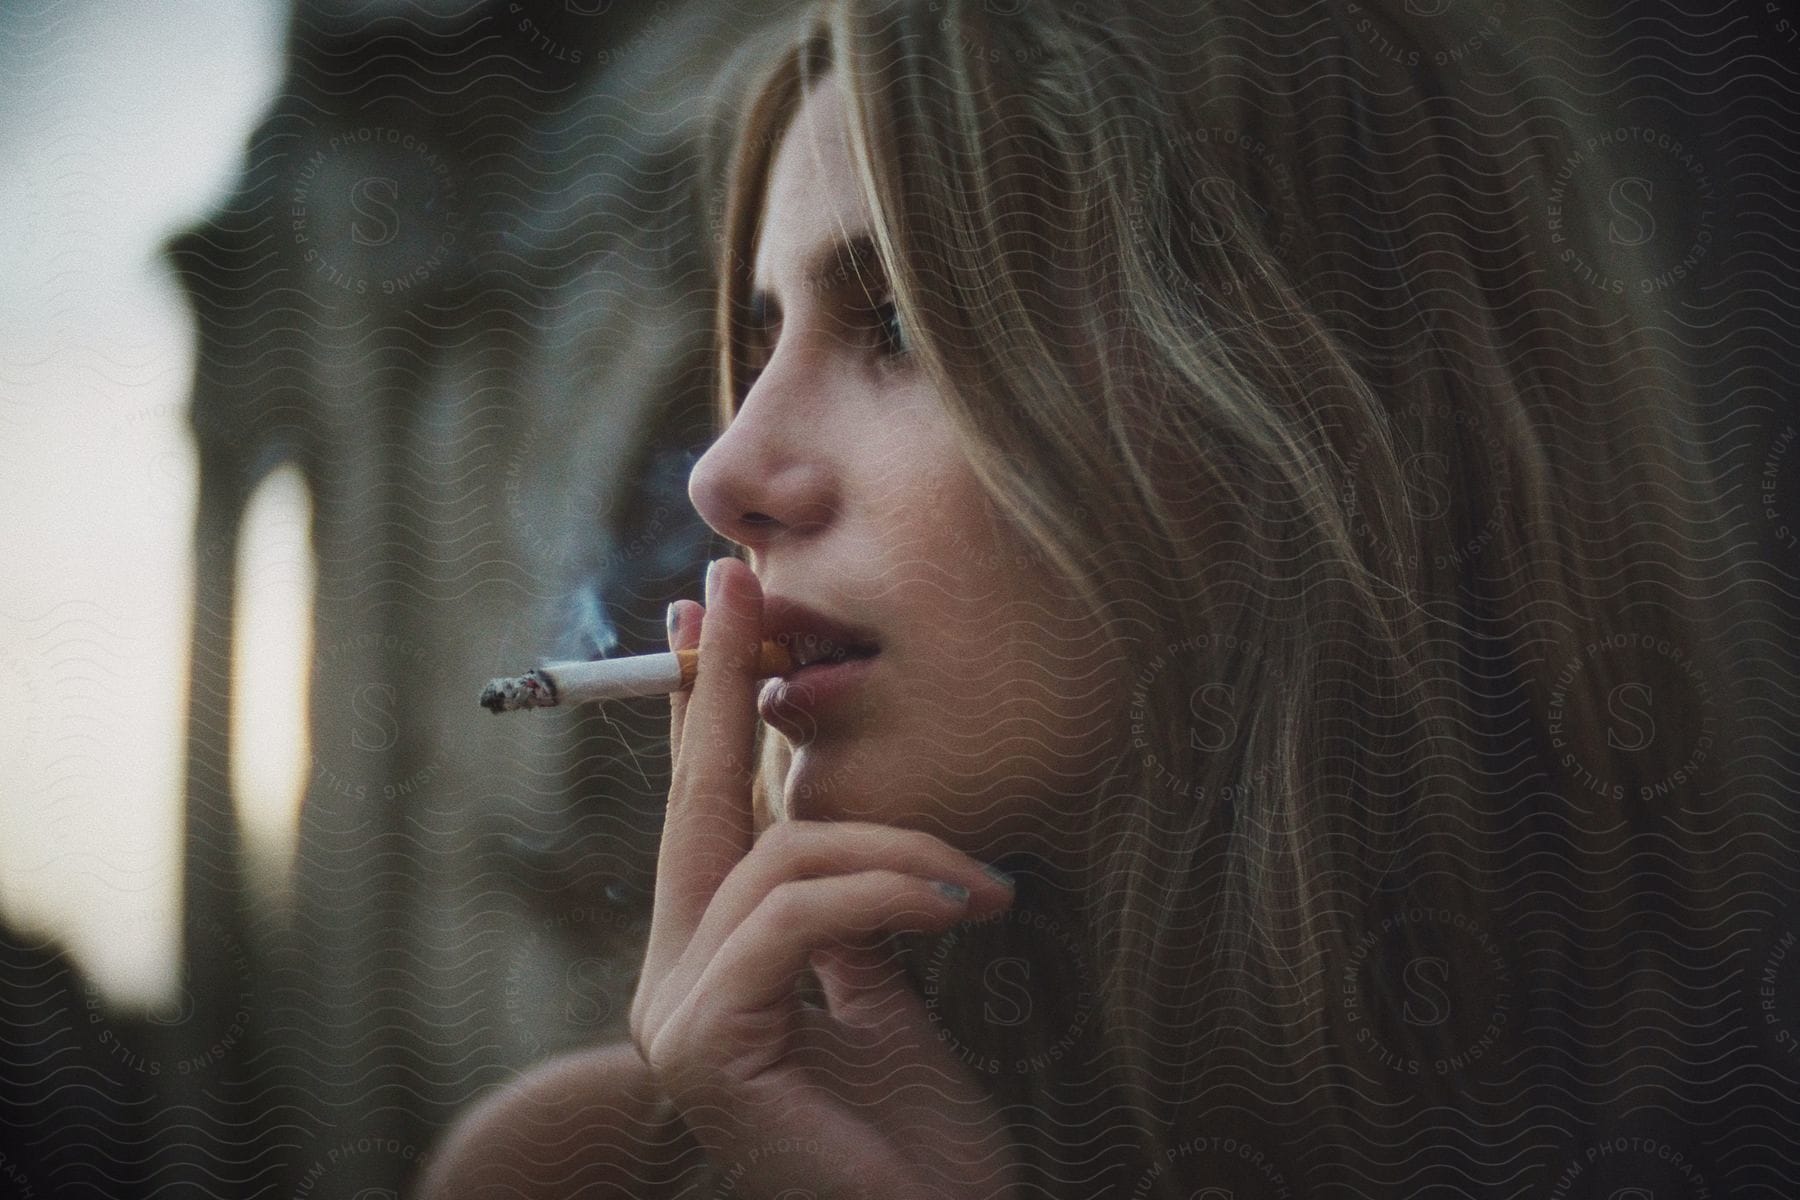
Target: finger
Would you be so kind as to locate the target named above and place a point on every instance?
(684, 632)
(707, 829)
(796, 850)
(759, 967)
(865, 987)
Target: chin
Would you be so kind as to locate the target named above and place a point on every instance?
(824, 784)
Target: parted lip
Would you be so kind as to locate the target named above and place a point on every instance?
(809, 634)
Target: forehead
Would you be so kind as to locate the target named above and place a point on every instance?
(812, 197)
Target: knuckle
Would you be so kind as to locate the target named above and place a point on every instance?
(784, 905)
(782, 840)
(661, 1050)
(642, 1030)
(680, 1061)
(662, 1064)
(642, 1043)
(635, 1018)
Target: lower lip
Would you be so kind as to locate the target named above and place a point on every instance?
(792, 705)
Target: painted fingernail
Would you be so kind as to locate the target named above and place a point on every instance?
(997, 875)
(951, 891)
(674, 620)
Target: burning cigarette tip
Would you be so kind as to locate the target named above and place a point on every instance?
(534, 689)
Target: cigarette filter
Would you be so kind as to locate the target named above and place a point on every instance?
(556, 684)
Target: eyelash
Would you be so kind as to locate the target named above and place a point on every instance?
(894, 344)
(887, 327)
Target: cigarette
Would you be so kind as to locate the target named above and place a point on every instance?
(556, 684)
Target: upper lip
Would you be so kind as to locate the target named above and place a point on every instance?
(808, 633)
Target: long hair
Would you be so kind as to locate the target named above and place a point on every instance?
(1281, 334)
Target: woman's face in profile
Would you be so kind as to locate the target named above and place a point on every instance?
(842, 476)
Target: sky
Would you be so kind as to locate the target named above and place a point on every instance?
(119, 123)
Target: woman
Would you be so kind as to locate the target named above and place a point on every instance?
(1272, 552)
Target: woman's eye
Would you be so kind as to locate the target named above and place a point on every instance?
(883, 321)
(892, 332)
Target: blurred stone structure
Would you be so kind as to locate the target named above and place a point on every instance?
(461, 284)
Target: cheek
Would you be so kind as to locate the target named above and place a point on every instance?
(1063, 677)
(966, 541)
(1007, 662)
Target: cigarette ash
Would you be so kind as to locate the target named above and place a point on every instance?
(530, 690)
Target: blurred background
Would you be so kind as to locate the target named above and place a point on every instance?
(354, 352)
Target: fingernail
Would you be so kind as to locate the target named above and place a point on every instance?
(997, 875)
(674, 620)
(712, 581)
(952, 891)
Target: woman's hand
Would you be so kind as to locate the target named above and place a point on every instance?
(858, 1097)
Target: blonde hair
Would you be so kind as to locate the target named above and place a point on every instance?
(1272, 356)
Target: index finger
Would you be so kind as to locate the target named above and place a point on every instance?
(709, 825)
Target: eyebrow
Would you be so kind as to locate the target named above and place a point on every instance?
(833, 266)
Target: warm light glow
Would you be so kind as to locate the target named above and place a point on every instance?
(129, 122)
(276, 579)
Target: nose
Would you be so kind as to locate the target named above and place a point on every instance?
(765, 480)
